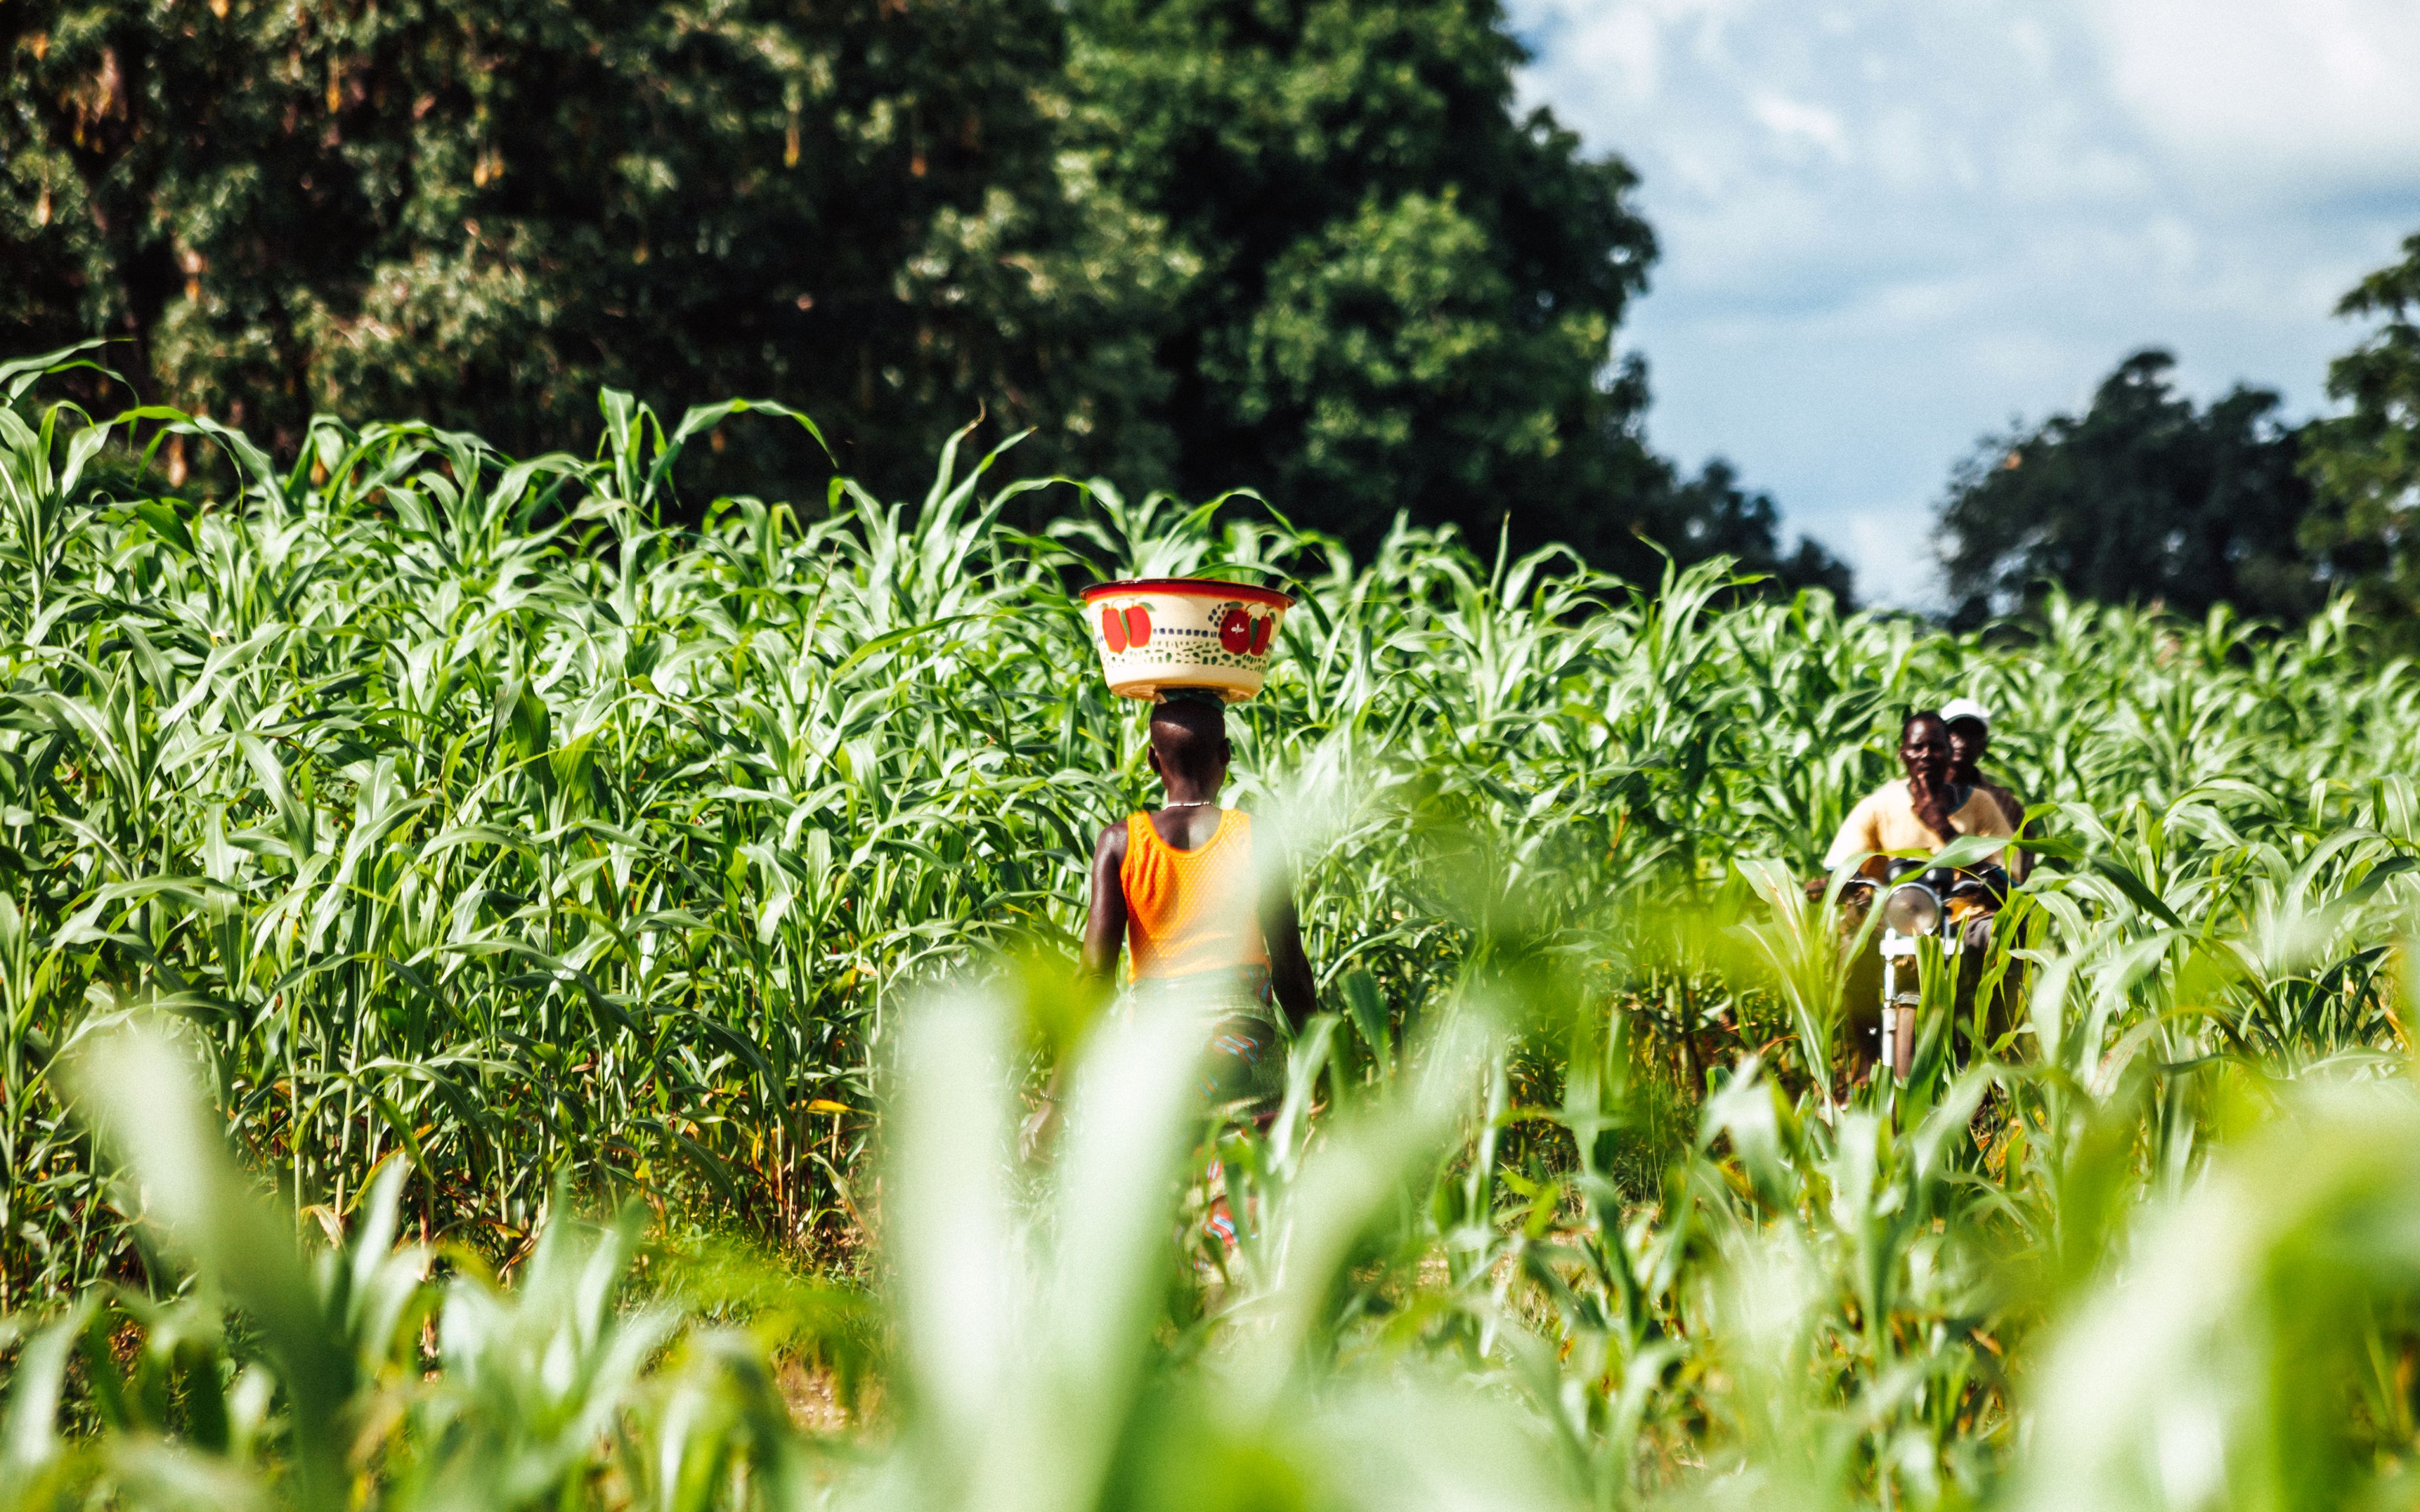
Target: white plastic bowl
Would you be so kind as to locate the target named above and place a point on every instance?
(1158, 634)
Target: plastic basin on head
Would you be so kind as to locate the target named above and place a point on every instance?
(1156, 634)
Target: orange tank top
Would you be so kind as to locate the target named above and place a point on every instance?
(1190, 911)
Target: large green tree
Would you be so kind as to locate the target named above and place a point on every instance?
(479, 212)
(1408, 292)
(1306, 246)
(2143, 497)
(2365, 462)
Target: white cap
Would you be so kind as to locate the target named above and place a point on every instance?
(1957, 709)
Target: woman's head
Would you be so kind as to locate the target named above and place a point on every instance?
(1188, 742)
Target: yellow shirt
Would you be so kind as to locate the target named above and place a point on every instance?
(1886, 821)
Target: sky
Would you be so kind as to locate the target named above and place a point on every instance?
(1890, 228)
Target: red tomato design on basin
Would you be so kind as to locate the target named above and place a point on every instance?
(1261, 630)
(1235, 631)
(1138, 625)
(1113, 630)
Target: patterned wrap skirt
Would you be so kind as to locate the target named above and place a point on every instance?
(1243, 1061)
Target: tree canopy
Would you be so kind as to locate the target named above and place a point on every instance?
(1406, 295)
(2143, 497)
(2146, 497)
(477, 214)
(1304, 246)
(2365, 464)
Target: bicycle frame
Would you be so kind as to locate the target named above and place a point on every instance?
(1916, 903)
(1897, 1030)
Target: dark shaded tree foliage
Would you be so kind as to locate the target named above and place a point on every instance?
(477, 214)
(1299, 245)
(2142, 499)
(1407, 291)
(2365, 465)
(1711, 514)
(1408, 295)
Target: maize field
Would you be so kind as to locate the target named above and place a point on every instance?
(519, 999)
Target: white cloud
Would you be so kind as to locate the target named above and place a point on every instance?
(1889, 226)
(1792, 121)
(1623, 51)
(1892, 574)
(2314, 94)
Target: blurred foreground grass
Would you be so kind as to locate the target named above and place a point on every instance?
(1872, 1309)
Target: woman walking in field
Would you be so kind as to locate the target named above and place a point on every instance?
(1207, 923)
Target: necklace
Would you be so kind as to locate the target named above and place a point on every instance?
(1200, 802)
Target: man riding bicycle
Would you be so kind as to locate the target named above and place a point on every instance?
(1924, 811)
